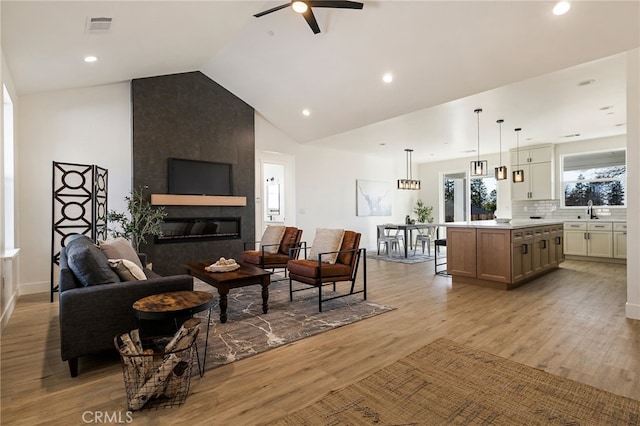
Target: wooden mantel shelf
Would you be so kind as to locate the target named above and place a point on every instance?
(196, 200)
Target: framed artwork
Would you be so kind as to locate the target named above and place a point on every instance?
(373, 198)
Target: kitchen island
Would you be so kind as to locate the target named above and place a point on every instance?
(503, 255)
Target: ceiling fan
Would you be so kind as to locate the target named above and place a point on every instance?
(305, 8)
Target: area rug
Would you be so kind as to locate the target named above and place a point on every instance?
(249, 332)
(448, 383)
(398, 258)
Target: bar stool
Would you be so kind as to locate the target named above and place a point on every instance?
(440, 242)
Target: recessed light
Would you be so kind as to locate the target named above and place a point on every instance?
(620, 124)
(387, 77)
(90, 59)
(586, 82)
(561, 8)
(574, 135)
(306, 112)
(382, 144)
(604, 108)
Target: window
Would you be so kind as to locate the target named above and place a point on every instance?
(483, 198)
(599, 177)
(9, 201)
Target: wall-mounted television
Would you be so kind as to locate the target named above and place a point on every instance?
(195, 177)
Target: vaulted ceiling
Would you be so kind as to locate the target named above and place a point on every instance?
(560, 78)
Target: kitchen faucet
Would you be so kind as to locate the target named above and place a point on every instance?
(590, 210)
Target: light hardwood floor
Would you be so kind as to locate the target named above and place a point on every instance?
(570, 323)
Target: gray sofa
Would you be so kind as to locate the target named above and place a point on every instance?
(91, 315)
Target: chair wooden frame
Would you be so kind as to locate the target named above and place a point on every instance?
(320, 280)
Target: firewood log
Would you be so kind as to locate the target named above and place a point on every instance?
(156, 382)
(177, 379)
(188, 328)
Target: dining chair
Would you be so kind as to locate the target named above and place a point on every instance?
(424, 237)
(390, 237)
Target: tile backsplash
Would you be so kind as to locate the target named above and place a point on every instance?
(550, 209)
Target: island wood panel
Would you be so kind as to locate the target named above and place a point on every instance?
(521, 255)
(493, 255)
(461, 252)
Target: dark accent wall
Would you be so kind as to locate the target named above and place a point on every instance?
(190, 116)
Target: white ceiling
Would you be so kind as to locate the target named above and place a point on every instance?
(513, 59)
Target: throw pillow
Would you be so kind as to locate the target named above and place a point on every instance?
(88, 263)
(326, 240)
(271, 238)
(120, 248)
(127, 270)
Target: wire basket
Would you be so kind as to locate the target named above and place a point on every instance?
(156, 379)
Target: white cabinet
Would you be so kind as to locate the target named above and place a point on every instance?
(575, 238)
(599, 239)
(620, 240)
(595, 239)
(538, 173)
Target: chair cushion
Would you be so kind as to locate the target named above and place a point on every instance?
(254, 257)
(309, 268)
(271, 238)
(120, 248)
(326, 240)
(288, 240)
(127, 270)
(350, 241)
(88, 263)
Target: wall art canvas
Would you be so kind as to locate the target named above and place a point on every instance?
(373, 198)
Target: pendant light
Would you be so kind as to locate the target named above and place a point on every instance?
(518, 175)
(501, 171)
(478, 168)
(409, 182)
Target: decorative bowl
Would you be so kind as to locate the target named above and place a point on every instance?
(222, 268)
(502, 220)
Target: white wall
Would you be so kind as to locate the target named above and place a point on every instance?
(325, 184)
(85, 126)
(633, 187)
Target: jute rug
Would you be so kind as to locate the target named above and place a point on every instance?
(447, 383)
(249, 332)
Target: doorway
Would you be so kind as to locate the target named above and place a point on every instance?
(454, 197)
(275, 204)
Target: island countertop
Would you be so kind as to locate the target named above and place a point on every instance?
(514, 224)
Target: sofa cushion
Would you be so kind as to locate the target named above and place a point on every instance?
(127, 270)
(326, 240)
(271, 238)
(120, 248)
(288, 239)
(255, 257)
(88, 263)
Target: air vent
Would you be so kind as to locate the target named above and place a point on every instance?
(98, 25)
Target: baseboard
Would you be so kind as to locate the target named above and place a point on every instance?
(7, 312)
(632, 311)
(33, 288)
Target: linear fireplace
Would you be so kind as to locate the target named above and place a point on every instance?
(175, 230)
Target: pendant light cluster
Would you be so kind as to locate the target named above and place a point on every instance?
(518, 175)
(501, 171)
(409, 182)
(478, 168)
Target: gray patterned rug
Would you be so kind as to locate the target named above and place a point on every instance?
(399, 258)
(249, 332)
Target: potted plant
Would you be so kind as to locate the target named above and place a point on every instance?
(141, 220)
(423, 211)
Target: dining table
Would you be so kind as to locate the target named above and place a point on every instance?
(407, 229)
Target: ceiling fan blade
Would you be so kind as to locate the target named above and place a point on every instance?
(282, 6)
(311, 20)
(338, 4)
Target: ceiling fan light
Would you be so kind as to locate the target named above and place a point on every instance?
(501, 173)
(299, 6)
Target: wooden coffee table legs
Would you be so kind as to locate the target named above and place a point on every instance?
(224, 291)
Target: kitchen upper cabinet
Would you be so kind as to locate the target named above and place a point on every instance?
(537, 164)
